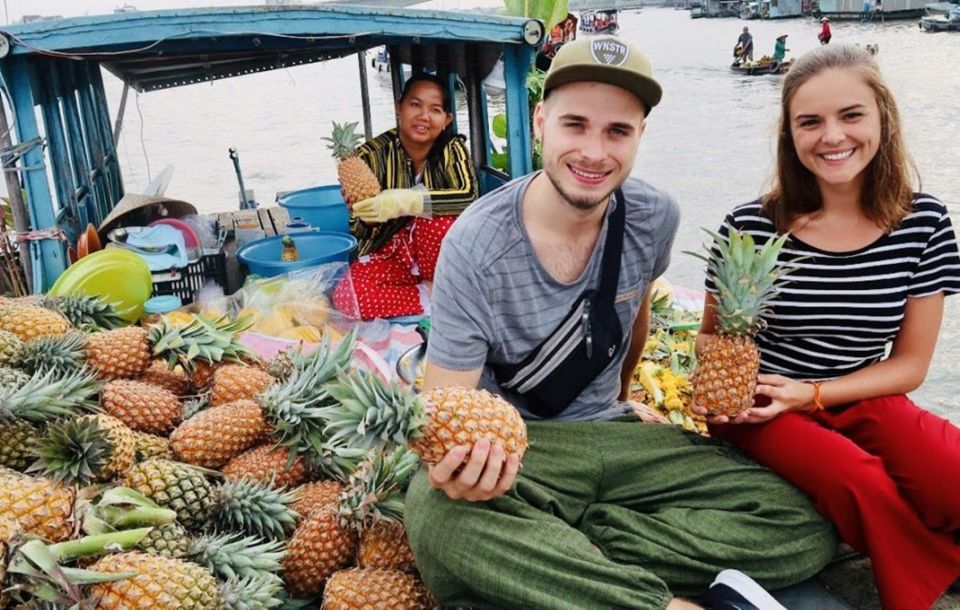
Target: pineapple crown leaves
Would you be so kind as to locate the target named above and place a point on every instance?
(235, 556)
(203, 339)
(251, 593)
(61, 354)
(85, 312)
(74, 451)
(255, 509)
(375, 489)
(334, 461)
(372, 413)
(121, 508)
(47, 395)
(343, 140)
(293, 406)
(746, 277)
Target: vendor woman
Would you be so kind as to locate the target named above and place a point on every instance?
(420, 160)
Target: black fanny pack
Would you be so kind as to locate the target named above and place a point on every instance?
(588, 339)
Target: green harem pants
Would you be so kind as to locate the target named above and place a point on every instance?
(666, 508)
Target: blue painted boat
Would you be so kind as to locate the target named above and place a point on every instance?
(65, 146)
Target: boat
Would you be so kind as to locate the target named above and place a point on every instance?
(761, 67)
(938, 22)
(599, 21)
(381, 67)
(54, 71)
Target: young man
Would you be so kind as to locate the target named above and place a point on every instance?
(542, 295)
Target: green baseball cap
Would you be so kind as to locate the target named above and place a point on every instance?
(604, 59)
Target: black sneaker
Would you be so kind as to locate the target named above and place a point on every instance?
(734, 590)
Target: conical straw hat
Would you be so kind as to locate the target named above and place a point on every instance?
(132, 202)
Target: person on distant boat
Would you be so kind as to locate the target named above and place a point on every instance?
(780, 49)
(397, 255)
(745, 40)
(853, 328)
(825, 35)
(542, 295)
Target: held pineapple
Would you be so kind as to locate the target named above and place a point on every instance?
(356, 178)
(371, 413)
(747, 279)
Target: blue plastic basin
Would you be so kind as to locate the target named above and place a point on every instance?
(262, 257)
(321, 206)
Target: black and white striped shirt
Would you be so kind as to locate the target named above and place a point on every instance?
(840, 309)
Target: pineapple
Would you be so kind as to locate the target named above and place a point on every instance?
(372, 413)
(142, 406)
(12, 379)
(268, 465)
(85, 312)
(316, 495)
(161, 583)
(29, 322)
(214, 436)
(281, 367)
(289, 253)
(356, 178)
(176, 486)
(17, 441)
(170, 540)
(173, 380)
(84, 450)
(747, 279)
(326, 539)
(385, 545)
(10, 346)
(42, 507)
(126, 353)
(149, 446)
(232, 382)
(363, 588)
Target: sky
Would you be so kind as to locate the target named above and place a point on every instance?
(13, 10)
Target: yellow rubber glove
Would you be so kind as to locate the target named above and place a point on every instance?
(390, 204)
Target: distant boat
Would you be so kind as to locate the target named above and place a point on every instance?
(599, 21)
(381, 66)
(939, 18)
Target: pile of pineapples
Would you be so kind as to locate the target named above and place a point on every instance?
(242, 484)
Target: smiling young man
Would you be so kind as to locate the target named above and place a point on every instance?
(542, 295)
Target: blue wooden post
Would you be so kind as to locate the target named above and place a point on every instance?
(111, 166)
(516, 63)
(48, 255)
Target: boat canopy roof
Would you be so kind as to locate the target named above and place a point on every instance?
(160, 49)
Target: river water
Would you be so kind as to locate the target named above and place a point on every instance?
(709, 143)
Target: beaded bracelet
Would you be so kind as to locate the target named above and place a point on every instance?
(817, 402)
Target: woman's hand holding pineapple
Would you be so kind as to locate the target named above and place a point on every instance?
(476, 475)
(780, 395)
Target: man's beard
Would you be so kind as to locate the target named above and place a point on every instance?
(584, 205)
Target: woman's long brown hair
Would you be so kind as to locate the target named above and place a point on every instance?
(887, 194)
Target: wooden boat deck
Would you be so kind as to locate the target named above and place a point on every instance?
(270, 220)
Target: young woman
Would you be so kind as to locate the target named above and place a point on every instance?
(875, 262)
(397, 250)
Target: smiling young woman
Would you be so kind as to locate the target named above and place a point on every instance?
(874, 261)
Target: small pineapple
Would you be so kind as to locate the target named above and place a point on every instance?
(84, 450)
(213, 436)
(179, 487)
(316, 495)
(747, 278)
(232, 382)
(385, 545)
(267, 464)
(30, 322)
(356, 178)
(371, 413)
(18, 439)
(161, 583)
(142, 406)
(11, 379)
(42, 507)
(362, 588)
(150, 445)
(289, 253)
(10, 346)
(123, 353)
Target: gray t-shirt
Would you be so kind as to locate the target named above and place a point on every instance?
(494, 302)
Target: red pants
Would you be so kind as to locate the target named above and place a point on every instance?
(386, 282)
(887, 474)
